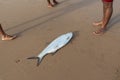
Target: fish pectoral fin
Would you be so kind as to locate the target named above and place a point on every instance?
(68, 38)
(38, 60)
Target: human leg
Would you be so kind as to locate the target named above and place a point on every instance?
(49, 3)
(107, 13)
(4, 35)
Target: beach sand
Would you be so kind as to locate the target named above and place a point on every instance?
(86, 57)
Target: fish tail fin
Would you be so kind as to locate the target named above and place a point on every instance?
(38, 60)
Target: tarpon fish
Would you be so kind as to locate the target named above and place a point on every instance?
(54, 46)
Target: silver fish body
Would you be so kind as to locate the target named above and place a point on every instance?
(54, 46)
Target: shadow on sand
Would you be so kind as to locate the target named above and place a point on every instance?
(54, 14)
(114, 21)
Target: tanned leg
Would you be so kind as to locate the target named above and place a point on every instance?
(108, 10)
(4, 35)
(2, 31)
(107, 13)
(49, 3)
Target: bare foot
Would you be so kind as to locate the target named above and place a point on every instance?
(98, 23)
(99, 31)
(50, 5)
(8, 37)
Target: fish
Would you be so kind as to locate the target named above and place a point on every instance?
(54, 46)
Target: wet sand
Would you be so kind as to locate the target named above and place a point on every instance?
(86, 57)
